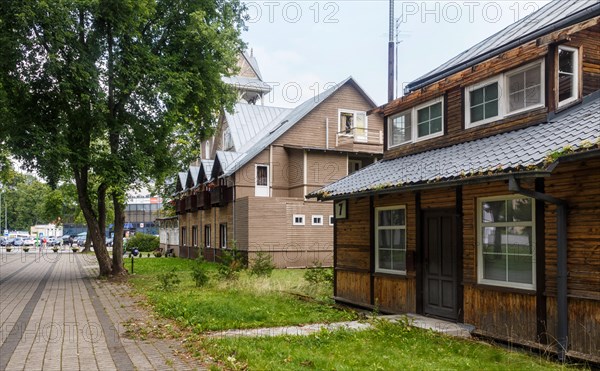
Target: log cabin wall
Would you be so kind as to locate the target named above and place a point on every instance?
(579, 184)
(452, 90)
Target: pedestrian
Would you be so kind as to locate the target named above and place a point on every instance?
(70, 241)
(44, 242)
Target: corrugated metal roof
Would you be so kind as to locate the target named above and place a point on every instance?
(283, 124)
(247, 83)
(507, 152)
(249, 123)
(553, 16)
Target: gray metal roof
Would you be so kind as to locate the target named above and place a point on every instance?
(553, 16)
(253, 63)
(247, 83)
(514, 151)
(249, 123)
(205, 170)
(225, 159)
(283, 124)
(181, 180)
(192, 176)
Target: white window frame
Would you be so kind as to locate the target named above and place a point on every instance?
(511, 73)
(391, 128)
(298, 216)
(576, 76)
(320, 217)
(227, 143)
(207, 228)
(415, 124)
(223, 235)
(341, 130)
(480, 224)
(331, 219)
(496, 79)
(377, 228)
(262, 190)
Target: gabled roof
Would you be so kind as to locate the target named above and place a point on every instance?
(253, 63)
(512, 152)
(205, 171)
(247, 83)
(249, 123)
(553, 16)
(192, 176)
(181, 181)
(224, 160)
(283, 123)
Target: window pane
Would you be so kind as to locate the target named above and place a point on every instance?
(476, 113)
(494, 267)
(436, 110)
(519, 240)
(520, 269)
(399, 260)
(423, 129)
(491, 109)
(516, 83)
(477, 97)
(519, 210)
(494, 211)
(398, 236)
(401, 129)
(436, 126)
(385, 239)
(494, 240)
(385, 259)
(517, 101)
(491, 92)
(261, 175)
(533, 96)
(565, 87)
(533, 77)
(398, 217)
(565, 60)
(423, 114)
(385, 218)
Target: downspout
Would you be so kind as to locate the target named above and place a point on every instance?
(326, 132)
(562, 330)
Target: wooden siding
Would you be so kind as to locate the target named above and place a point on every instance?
(353, 239)
(396, 295)
(311, 131)
(279, 172)
(353, 286)
(507, 314)
(589, 40)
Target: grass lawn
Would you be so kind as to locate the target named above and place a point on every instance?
(388, 346)
(248, 302)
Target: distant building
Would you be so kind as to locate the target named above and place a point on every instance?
(47, 230)
(141, 212)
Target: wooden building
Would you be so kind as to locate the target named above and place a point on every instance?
(486, 207)
(250, 184)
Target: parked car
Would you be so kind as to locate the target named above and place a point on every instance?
(55, 241)
(18, 242)
(80, 240)
(29, 241)
(109, 241)
(7, 242)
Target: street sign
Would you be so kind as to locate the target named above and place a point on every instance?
(6, 232)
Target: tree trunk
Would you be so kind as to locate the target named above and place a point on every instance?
(117, 259)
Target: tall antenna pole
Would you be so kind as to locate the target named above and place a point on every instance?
(391, 55)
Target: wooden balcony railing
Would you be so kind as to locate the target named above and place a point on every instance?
(203, 200)
(221, 196)
(358, 136)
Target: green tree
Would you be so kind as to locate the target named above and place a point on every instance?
(113, 90)
(24, 196)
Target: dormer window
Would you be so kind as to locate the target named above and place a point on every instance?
(568, 75)
(525, 88)
(429, 121)
(227, 141)
(422, 122)
(483, 103)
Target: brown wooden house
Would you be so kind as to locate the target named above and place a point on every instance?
(250, 185)
(486, 207)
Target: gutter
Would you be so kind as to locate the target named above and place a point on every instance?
(581, 16)
(562, 327)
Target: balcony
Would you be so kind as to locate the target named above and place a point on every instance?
(221, 196)
(203, 201)
(360, 140)
(180, 206)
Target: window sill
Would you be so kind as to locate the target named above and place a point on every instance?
(401, 276)
(513, 290)
(567, 104)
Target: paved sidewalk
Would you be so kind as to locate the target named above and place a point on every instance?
(54, 315)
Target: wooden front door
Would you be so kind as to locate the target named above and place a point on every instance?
(440, 264)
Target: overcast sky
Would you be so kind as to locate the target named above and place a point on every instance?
(304, 46)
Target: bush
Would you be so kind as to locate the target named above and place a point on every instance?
(199, 272)
(318, 275)
(232, 262)
(143, 242)
(168, 281)
(262, 265)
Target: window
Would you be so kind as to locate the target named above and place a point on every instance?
(568, 75)
(298, 219)
(207, 236)
(194, 236)
(354, 165)
(227, 141)
(390, 239)
(223, 235)
(506, 241)
(429, 120)
(261, 188)
(400, 129)
(353, 123)
(483, 103)
(183, 236)
(525, 88)
(317, 220)
(331, 219)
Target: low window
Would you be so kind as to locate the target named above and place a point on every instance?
(194, 236)
(223, 235)
(390, 239)
(506, 241)
(525, 88)
(317, 220)
(207, 236)
(568, 75)
(298, 219)
(183, 236)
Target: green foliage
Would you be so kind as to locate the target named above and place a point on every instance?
(199, 272)
(318, 275)
(143, 242)
(262, 265)
(168, 281)
(231, 263)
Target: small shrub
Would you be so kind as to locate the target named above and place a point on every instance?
(168, 280)
(232, 262)
(262, 265)
(143, 242)
(318, 275)
(199, 273)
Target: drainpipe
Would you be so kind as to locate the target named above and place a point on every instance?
(562, 330)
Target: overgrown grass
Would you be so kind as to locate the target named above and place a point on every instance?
(247, 302)
(389, 346)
